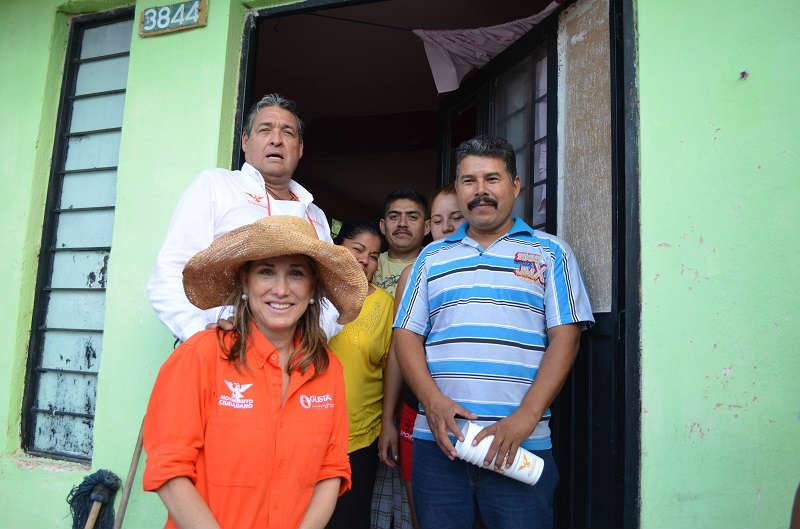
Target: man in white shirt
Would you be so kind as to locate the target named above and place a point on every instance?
(219, 200)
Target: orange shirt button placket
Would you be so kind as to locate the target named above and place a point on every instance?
(274, 376)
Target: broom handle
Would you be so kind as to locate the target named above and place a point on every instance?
(126, 489)
(92, 518)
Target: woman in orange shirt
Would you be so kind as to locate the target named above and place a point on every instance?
(248, 427)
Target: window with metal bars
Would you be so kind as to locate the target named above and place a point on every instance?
(520, 116)
(67, 329)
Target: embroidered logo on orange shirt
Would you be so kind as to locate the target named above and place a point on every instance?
(236, 398)
(317, 401)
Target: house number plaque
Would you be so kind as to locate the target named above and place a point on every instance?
(173, 17)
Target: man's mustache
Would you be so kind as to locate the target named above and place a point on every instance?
(482, 200)
(397, 232)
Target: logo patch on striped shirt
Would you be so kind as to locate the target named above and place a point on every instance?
(532, 267)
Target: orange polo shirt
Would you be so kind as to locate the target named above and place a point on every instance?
(253, 461)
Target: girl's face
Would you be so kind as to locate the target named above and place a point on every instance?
(366, 248)
(445, 216)
(278, 291)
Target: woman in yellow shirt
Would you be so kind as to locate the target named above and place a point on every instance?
(362, 347)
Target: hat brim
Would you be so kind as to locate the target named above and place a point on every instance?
(211, 276)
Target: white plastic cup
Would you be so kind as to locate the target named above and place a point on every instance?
(527, 467)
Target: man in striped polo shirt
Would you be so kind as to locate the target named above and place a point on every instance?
(487, 330)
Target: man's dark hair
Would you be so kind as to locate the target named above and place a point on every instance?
(351, 230)
(489, 146)
(407, 194)
(274, 100)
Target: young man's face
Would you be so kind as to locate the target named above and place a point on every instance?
(404, 225)
(486, 192)
(273, 146)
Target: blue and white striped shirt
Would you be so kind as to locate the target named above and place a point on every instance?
(485, 314)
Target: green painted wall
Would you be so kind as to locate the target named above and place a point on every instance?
(179, 119)
(720, 183)
(32, 42)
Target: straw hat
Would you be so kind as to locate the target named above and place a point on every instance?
(211, 276)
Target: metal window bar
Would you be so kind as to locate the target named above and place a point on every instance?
(90, 132)
(88, 170)
(530, 192)
(80, 249)
(66, 456)
(74, 289)
(77, 61)
(63, 413)
(550, 177)
(114, 92)
(31, 409)
(65, 371)
(87, 208)
(551, 90)
(43, 329)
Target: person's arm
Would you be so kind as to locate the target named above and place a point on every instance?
(173, 435)
(392, 384)
(510, 432)
(191, 229)
(336, 462)
(328, 316)
(392, 381)
(400, 289)
(323, 501)
(185, 505)
(440, 410)
(411, 325)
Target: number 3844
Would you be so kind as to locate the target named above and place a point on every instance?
(172, 16)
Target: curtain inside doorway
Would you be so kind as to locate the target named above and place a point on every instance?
(452, 54)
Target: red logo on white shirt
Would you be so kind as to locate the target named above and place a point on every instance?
(254, 199)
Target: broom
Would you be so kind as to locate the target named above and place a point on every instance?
(92, 502)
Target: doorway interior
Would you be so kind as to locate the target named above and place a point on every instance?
(362, 81)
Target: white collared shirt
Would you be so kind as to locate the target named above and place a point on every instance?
(216, 202)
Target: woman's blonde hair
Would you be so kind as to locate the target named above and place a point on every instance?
(313, 342)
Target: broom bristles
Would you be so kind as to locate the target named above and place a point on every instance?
(80, 499)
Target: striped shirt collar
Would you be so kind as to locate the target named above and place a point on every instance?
(299, 191)
(460, 235)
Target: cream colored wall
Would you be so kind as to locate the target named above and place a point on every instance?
(584, 144)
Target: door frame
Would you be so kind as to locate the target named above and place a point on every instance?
(627, 177)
